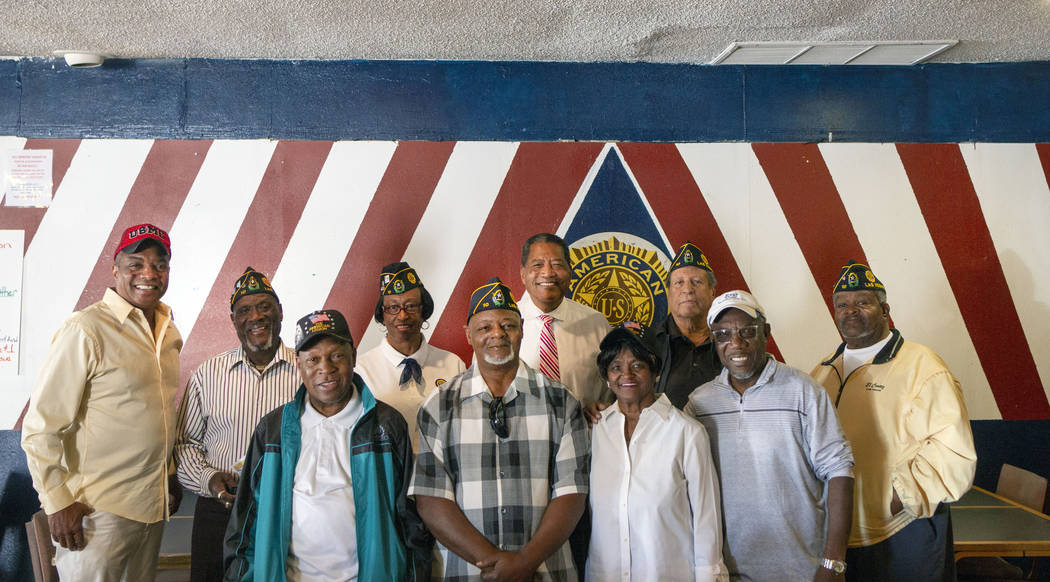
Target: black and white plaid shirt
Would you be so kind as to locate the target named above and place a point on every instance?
(503, 486)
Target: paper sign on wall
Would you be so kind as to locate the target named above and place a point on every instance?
(27, 178)
(11, 242)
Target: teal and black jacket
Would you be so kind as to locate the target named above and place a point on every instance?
(392, 542)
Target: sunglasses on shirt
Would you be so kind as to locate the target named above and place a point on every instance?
(498, 417)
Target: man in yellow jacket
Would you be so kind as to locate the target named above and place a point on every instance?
(903, 412)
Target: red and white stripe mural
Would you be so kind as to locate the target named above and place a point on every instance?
(959, 233)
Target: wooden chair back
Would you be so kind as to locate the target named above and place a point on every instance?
(41, 550)
(1024, 487)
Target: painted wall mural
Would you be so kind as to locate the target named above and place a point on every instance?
(959, 233)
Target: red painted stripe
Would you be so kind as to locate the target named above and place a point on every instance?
(386, 230)
(813, 209)
(949, 204)
(261, 241)
(156, 197)
(28, 219)
(683, 213)
(540, 185)
(21, 417)
(1043, 149)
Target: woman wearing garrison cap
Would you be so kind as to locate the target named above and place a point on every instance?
(404, 368)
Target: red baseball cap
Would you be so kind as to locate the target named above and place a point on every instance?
(134, 237)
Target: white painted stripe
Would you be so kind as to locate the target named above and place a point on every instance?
(315, 253)
(881, 205)
(70, 240)
(753, 224)
(450, 226)
(1015, 200)
(209, 220)
(7, 144)
(10, 142)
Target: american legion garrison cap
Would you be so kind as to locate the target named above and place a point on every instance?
(397, 278)
(249, 283)
(491, 295)
(857, 277)
(689, 255)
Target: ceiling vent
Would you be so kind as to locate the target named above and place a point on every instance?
(896, 52)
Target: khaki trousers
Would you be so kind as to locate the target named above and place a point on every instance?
(116, 549)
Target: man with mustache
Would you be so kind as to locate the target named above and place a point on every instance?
(784, 465)
(99, 431)
(501, 477)
(903, 411)
(224, 400)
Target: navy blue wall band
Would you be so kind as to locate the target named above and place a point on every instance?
(524, 101)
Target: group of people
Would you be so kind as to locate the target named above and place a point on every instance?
(680, 451)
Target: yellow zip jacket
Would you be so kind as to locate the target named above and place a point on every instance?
(903, 413)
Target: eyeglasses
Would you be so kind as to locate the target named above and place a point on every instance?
(412, 308)
(498, 417)
(724, 336)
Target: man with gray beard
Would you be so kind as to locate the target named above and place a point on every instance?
(224, 401)
(501, 476)
(786, 470)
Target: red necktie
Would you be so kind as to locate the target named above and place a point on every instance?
(549, 349)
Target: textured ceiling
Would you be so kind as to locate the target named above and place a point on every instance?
(693, 31)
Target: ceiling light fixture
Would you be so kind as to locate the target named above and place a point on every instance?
(81, 59)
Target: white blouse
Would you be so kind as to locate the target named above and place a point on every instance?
(381, 369)
(655, 512)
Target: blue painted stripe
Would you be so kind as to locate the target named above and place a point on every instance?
(524, 101)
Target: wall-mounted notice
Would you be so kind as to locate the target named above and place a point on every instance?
(11, 242)
(27, 178)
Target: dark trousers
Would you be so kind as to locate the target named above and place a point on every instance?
(921, 552)
(206, 544)
(580, 540)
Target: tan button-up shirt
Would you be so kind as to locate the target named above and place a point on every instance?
(101, 419)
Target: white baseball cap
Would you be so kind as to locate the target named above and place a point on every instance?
(739, 299)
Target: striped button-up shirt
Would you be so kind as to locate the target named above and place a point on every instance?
(224, 401)
(503, 486)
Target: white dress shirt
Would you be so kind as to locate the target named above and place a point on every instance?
(324, 536)
(578, 330)
(381, 369)
(655, 511)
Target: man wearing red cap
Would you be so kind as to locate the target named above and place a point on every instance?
(100, 427)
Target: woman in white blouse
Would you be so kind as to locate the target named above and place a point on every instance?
(404, 369)
(654, 498)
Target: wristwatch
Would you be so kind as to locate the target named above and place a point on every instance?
(836, 566)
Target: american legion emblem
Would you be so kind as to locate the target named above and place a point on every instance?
(621, 280)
